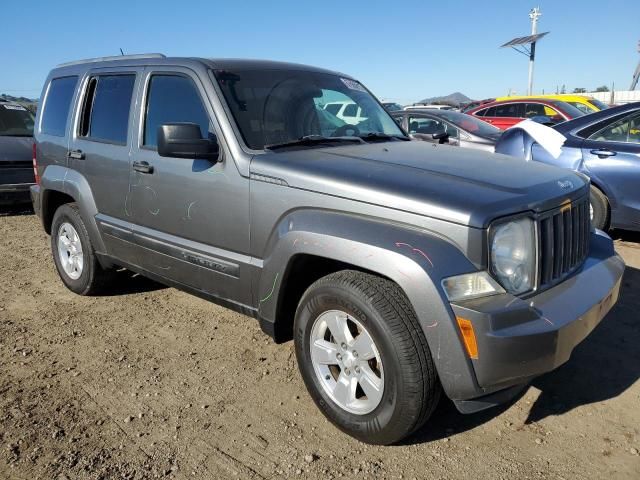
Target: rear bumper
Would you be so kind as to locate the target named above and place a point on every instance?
(11, 193)
(34, 192)
(519, 339)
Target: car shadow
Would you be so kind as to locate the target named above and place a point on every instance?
(14, 210)
(604, 366)
(625, 235)
(127, 282)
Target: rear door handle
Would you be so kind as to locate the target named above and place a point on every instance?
(603, 153)
(75, 154)
(143, 167)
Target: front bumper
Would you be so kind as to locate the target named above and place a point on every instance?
(519, 339)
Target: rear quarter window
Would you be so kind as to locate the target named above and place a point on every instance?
(56, 106)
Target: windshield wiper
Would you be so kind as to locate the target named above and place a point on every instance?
(383, 136)
(309, 140)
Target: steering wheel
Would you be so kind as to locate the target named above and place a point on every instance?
(344, 129)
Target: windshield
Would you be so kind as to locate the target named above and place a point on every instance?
(600, 105)
(583, 107)
(469, 123)
(278, 106)
(15, 121)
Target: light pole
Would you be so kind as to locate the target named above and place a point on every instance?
(534, 14)
(527, 45)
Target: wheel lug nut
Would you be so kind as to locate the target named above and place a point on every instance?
(355, 354)
(347, 371)
(357, 369)
(338, 356)
(343, 346)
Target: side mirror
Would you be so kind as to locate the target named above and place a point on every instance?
(184, 140)
(441, 135)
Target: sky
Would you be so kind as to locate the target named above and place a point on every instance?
(402, 51)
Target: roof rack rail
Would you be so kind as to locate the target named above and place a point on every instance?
(114, 57)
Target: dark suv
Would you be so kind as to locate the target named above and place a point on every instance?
(400, 269)
(16, 153)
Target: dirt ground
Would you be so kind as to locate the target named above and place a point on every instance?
(150, 382)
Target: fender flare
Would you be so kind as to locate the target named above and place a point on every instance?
(415, 260)
(72, 183)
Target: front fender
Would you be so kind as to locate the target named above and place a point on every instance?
(57, 178)
(416, 260)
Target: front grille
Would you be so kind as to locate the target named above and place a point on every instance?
(564, 241)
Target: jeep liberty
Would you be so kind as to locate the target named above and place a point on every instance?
(402, 270)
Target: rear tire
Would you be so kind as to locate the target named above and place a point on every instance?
(73, 253)
(400, 356)
(600, 209)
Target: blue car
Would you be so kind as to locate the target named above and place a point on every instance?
(605, 146)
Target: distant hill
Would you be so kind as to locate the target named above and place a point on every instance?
(454, 99)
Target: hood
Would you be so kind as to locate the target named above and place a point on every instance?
(458, 185)
(15, 149)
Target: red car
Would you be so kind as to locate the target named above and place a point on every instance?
(506, 113)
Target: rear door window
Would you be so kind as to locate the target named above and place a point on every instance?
(510, 110)
(105, 113)
(173, 98)
(534, 110)
(57, 104)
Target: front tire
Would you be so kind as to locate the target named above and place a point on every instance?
(599, 208)
(73, 253)
(364, 358)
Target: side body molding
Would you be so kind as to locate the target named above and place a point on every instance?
(62, 179)
(416, 260)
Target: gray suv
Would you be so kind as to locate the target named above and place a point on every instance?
(400, 269)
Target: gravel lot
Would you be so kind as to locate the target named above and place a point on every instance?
(149, 382)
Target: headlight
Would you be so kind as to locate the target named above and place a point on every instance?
(513, 255)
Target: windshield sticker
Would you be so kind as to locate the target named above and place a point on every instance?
(353, 85)
(15, 107)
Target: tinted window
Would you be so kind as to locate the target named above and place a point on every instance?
(512, 110)
(107, 107)
(350, 110)
(171, 99)
(425, 125)
(481, 113)
(15, 121)
(57, 104)
(534, 110)
(490, 112)
(626, 130)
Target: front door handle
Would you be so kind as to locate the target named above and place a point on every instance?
(75, 154)
(143, 167)
(603, 153)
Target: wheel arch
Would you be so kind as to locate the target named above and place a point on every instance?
(309, 244)
(60, 185)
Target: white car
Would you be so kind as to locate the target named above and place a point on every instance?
(429, 106)
(348, 112)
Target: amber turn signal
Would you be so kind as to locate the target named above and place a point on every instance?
(469, 336)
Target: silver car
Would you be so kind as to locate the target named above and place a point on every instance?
(447, 127)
